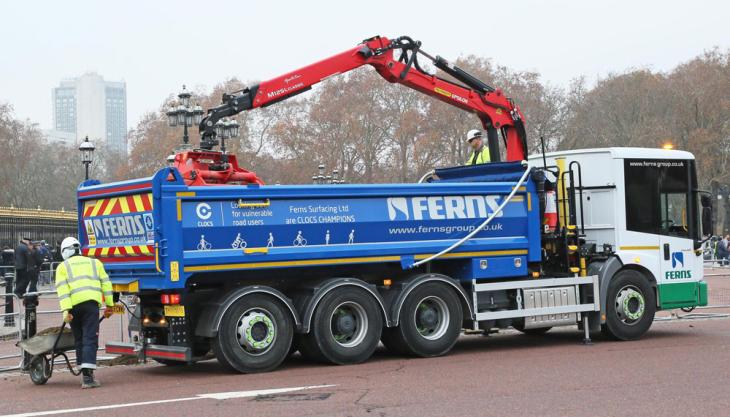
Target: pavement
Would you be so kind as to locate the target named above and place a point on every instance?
(680, 368)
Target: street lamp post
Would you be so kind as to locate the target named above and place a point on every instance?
(87, 154)
(226, 129)
(327, 179)
(184, 114)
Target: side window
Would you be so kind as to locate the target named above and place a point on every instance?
(657, 196)
(674, 214)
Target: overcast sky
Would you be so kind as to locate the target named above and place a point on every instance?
(156, 46)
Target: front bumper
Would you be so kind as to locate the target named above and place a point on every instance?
(683, 294)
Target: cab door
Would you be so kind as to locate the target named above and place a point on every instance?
(678, 258)
(661, 205)
(680, 266)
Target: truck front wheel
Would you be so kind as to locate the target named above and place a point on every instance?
(255, 335)
(630, 306)
(430, 322)
(345, 329)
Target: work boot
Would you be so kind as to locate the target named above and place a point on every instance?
(87, 380)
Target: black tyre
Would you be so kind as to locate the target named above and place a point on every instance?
(346, 327)
(255, 335)
(430, 322)
(39, 369)
(630, 306)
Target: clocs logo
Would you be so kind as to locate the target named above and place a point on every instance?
(203, 211)
(397, 205)
(677, 258)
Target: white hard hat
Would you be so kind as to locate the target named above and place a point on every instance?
(473, 134)
(70, 247)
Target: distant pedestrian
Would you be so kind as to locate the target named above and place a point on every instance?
(45, 252)
(23, 261)
(57, 252)
(723, 250)
(34, 269)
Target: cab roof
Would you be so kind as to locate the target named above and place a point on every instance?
(622, 153)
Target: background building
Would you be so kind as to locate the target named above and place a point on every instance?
(60, 137)
(89, 106)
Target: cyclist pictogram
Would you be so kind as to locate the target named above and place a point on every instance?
(300, 240)
(239, 243)
(203, 244)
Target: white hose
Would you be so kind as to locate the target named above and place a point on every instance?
(481, 226)
(426, 175)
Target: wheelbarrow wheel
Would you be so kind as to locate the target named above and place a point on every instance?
(39, 369)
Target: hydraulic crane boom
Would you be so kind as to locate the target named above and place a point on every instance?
(494, 109)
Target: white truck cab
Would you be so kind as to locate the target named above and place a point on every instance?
(637, 210)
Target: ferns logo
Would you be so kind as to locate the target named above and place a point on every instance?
(677, 258)
(396, 206)
(443, 207)
(678, 262)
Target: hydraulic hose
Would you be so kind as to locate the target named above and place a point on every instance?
(481, 226)
(426, 176)
(129, 310)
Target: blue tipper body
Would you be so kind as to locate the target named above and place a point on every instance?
(248, 227)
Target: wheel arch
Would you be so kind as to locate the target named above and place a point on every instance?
(411, 284)
(648, 275)
(608, 269)
(309, 304)
(212, 314)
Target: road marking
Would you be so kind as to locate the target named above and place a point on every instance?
(211, 396)
(243, 394)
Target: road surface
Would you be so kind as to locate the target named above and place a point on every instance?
(681, 368)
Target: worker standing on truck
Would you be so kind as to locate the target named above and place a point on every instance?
(479, 152)
(83, 286)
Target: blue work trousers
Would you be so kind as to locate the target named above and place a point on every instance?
(85, 327)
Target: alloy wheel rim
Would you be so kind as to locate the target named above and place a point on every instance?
(630, 305)
(256, 331)
(348, 324)
(431, 317)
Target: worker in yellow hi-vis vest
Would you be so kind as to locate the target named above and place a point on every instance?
(479, 153)
(83, 286)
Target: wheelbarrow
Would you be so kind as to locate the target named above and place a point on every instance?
(43, 351)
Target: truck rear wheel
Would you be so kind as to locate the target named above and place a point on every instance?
(346, 327)
(255, 335)
(630, 306)
(430, 322)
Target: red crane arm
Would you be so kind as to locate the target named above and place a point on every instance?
(493, 108)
